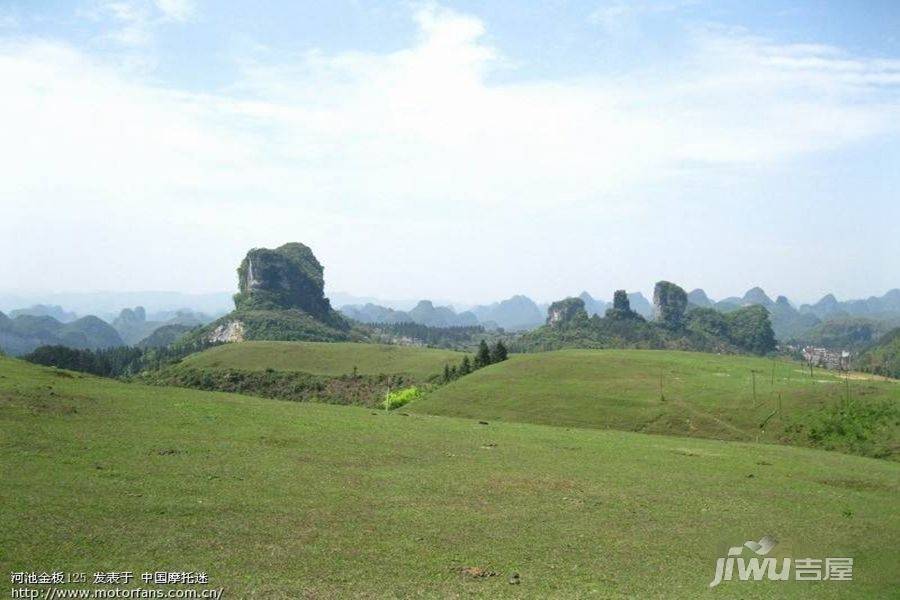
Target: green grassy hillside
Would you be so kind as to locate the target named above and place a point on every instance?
(289, 500)
(883, 357)
(322, 358)
(681, 393)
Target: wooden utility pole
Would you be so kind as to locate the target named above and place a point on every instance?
(662, 396)
(753, 373)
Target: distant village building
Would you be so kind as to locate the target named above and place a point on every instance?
(838, 360)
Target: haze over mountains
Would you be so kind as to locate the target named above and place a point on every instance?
(828, 320)
(108, 304)
(41, 325)
(521, 313)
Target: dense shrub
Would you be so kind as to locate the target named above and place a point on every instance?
(363, 390)
(435, 337)
(865, 428)
(883, 357)
(401, 398)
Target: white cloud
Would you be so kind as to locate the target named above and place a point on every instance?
(426, 130)
(427, 120)
(616, 14)
(133, 23)
(176, 10)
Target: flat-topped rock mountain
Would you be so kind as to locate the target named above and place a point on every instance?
(281, 297)
(287, 277)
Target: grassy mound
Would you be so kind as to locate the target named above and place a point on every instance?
(287, 500)
(678, 393)
(279, 324)
(332, 359)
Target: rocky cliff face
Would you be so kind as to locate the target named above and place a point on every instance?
(563, 311)
(621, 308)
(669, 303)
(284, 278)
(232, 331)
(281, 297)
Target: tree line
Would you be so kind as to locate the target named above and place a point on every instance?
(437, 337)
(120, 361)
(484, 356)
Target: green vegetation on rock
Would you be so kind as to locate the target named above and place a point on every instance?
(670, 302)
(746, 329)
(164, 336)
(883, 358)
(281, 297)
(851, 333)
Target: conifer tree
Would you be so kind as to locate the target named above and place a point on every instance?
(465, 367)
(483, 356)
(499, 352)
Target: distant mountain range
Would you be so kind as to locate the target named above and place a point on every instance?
(107, 305)
(45, 310)
(41, 325)
(133, 325)
(808, 323)
(874, 306)
(513, 314)
(520, 312)
(424, 313)
(26, 332)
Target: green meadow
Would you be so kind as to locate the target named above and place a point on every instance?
(324, 358)
(682, 393)
(282, 499)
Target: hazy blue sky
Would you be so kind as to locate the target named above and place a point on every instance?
(466, 150)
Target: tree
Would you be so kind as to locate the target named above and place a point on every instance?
(465, 367)
(750, 329)
(499, 352)
(483, 356)
(446, 373)
(621, 309)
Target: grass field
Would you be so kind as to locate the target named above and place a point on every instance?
(652, 391)
(291, 500)
(323, 358)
